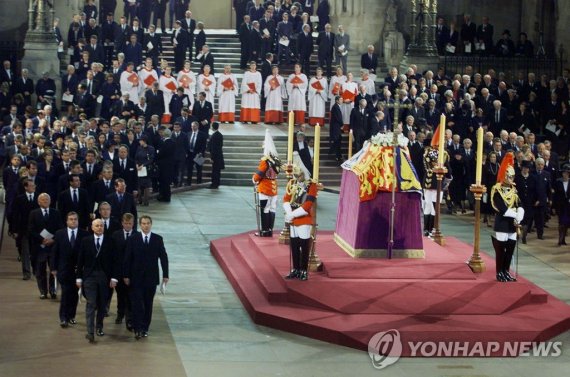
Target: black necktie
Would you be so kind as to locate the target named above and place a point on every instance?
(72, 238)
(120, 198)
(75, 198)
(123, 164)
(46, 214)
(127, 235)
(146, 240)
(98, 246)
(193, 141)
(31, 198)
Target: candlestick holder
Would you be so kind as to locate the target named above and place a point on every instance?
(440, 172)
(475, 262)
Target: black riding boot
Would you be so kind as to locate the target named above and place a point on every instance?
(305, 253)
(294, 243)
(499, 258)
(509, 250)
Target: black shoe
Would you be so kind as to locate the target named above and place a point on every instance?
(90, 338)
(501, 277)
(100, 332)
(540, 237)
(303, 276)
(43, 296)
(53, 295)
(129, 326)
(26, 277)
(118, 320)
(145, 334)
(508, 276)
(293, 274)
(64, 324)
(72, 321)
(138, 335)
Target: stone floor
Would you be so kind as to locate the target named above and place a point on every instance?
(201, 328)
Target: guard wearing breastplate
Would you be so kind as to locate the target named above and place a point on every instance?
(505, 201)
(298, 201)
(429, 185)
(265, 179)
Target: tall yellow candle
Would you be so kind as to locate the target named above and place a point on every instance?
(350, 139)
(317, 153)
(290, 137)
(441, 144)
(479, 161)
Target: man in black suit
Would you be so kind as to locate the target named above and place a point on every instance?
(359, 124)
(244, 38)
(144, 251)
(369, 60)
(121, 201)
(265, 73)
(24, 205)
(84, 103)
(125, 108)
(216, 155)
(416, 154)
(181, 143)
(165, 162)
(75, 199)
(197, 141)
(497, 118)
(325, 43)
(110, 225)
(154, 101)
(91, 169)
(189, 25)
(151, 38)
(120, 239)
(305, 48)
(255, 43)
(203, 111)
(180, 42)
(124, 167)
(43, 224)
(95, 276)
(24, 86)
(96, 52)
(65, 252)
(335, 136)
(207, 59)
(102, 187)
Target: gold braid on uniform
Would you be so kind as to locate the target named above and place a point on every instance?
(508, 194)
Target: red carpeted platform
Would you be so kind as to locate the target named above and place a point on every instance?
(433, 299)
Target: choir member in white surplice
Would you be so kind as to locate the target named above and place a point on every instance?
(129, 82)
(147, 76)
(318, 92)
(167, 83)
(349, 91)
(207, 83)
(297, 89)
(250, 95)
(227, 91)
(274, 89)
(335, 85)
(187, 79)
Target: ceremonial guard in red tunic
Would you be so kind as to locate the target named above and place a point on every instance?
(265, 179)
(298, 201)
